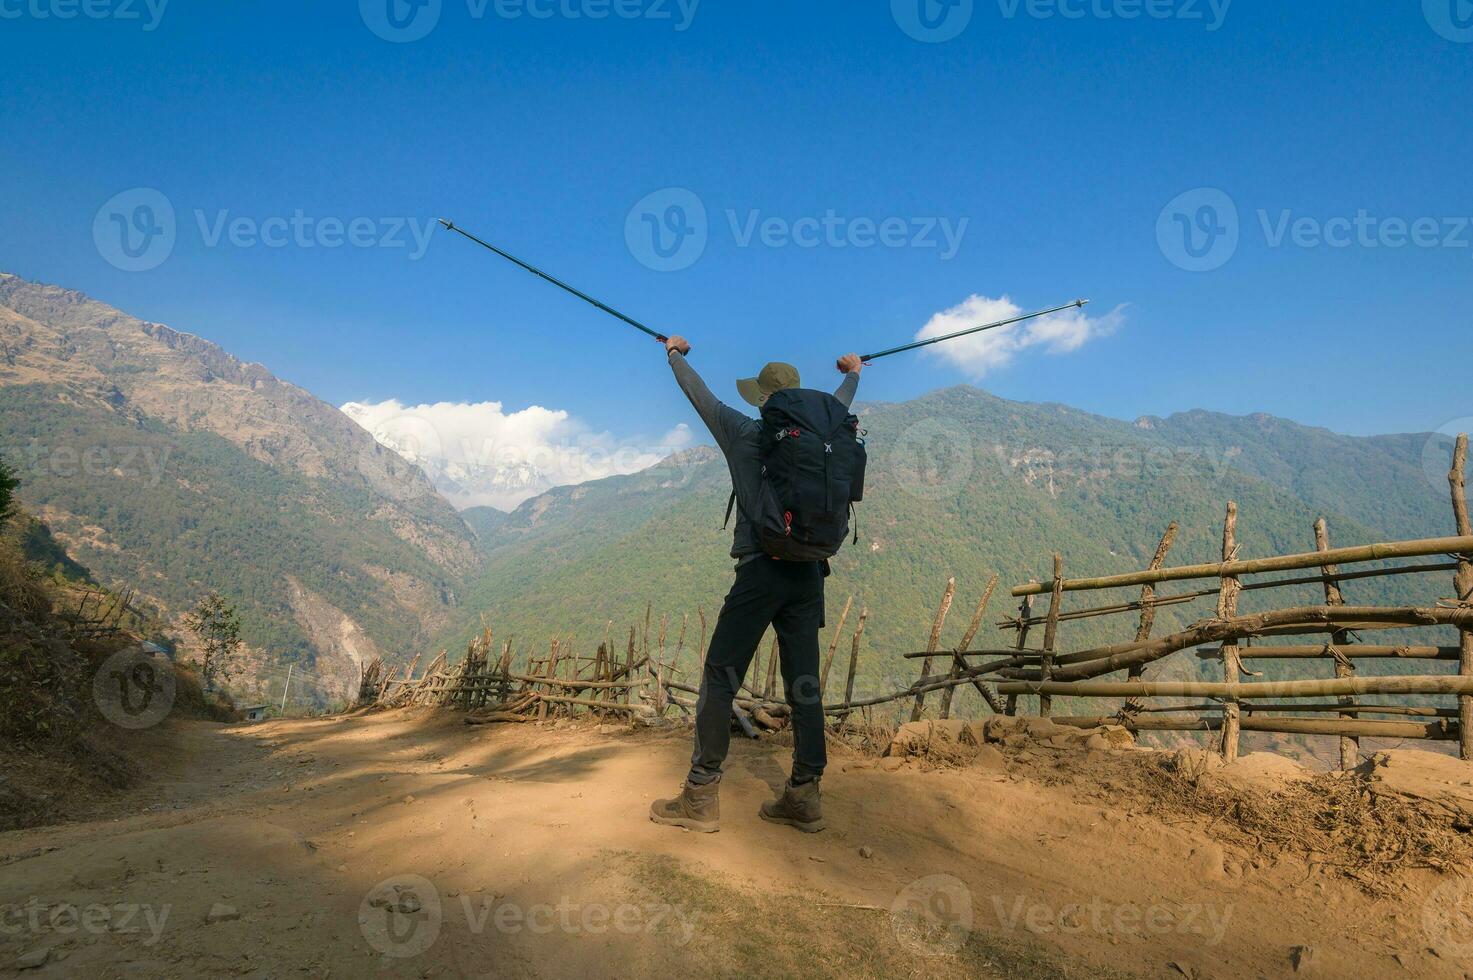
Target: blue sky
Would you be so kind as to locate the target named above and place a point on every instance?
(1052, 139)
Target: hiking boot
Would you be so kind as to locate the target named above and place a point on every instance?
(799, 806)
(697, 808)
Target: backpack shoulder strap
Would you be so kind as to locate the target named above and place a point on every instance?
(729, 505)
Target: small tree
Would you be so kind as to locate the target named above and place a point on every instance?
(8, 483)
(214, 622)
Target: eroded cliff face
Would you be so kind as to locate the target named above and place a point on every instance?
(164, 461)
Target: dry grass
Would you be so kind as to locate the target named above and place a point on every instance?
(1334, 821)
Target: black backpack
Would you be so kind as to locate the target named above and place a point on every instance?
(813, 462)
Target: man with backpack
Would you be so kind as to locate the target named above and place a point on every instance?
(795, 475)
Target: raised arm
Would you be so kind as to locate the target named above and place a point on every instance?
(723, 421)
(849, 366)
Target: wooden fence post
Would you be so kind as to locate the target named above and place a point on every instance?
(1025, 613)
(1349, 744)
(823, 677)
(1463, 583)
(1148, 596)
(854, 660)
(1050, 632)
(920, 703)
(774, 657)
(1227, 607)
(959, 659)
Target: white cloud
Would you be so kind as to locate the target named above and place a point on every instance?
(478, 454)
(989, 350)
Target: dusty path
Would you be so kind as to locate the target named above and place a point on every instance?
(408, 844)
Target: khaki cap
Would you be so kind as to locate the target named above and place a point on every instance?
(775, 377)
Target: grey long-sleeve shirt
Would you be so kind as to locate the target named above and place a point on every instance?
(739, 437)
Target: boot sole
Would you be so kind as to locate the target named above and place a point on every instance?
(699, 826)
(812, 827)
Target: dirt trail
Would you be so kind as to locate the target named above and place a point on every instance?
(408, 844)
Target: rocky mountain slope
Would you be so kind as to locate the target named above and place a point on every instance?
(163, 462)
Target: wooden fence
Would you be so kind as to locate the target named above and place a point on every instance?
(646, 679)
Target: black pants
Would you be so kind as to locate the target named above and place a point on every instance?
(788, 596)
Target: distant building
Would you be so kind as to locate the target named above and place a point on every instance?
(256, 712)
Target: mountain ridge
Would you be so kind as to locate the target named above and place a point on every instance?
(164, 462)
(339, 549)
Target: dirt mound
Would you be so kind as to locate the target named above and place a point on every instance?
(1439, 780)
(1355, 825)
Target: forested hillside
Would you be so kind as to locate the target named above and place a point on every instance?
(967, 484)
(164, 464)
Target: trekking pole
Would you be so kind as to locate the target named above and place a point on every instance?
(556, 282)
(1077, 304)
